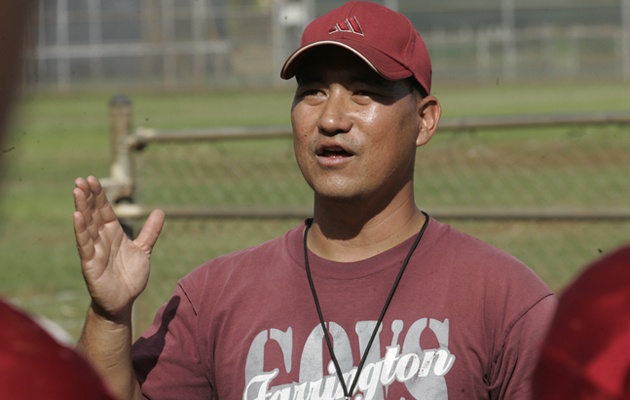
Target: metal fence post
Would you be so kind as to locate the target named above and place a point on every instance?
(625, 39)
(120, 119)
(119, 185)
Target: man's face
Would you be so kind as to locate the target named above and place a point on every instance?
(355, 133)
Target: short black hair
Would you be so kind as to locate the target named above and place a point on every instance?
(417, 87)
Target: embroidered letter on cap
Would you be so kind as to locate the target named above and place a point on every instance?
(349, 25)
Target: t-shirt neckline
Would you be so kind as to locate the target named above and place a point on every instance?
(329, 269)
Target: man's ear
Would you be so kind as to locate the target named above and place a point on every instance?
(430, 112)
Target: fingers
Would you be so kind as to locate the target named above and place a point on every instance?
(82, 205)
(91, 201)
(85, 244)
(93, 212)
(106, 212)
(150, 231)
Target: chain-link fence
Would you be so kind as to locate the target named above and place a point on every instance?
(168, 44)
(550, 191)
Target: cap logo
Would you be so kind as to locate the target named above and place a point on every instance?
(349, 25)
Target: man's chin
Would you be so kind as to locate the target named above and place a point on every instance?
(341, 196)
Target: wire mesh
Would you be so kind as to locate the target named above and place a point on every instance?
(568, 169)
(224, 173)
(576, 167)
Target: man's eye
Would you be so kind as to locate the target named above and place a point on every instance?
(310, 92)
(372, 94)
(365, 96)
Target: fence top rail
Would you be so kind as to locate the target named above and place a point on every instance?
(146, 135)
(136, 211)
(525, 121)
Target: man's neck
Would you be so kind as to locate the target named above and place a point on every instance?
(348, 232)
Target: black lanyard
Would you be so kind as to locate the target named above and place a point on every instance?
(348, 393)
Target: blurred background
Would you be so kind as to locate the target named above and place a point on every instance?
(178, 104)
(79, 44)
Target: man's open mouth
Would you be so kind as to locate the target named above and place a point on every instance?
(333, 151)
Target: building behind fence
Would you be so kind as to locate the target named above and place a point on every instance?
(169, 44)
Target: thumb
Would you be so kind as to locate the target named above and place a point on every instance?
(150, 231)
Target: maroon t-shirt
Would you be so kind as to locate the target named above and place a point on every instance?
(464, 323)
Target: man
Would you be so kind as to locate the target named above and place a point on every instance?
(369, 299)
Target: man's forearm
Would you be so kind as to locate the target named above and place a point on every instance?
(107, 345)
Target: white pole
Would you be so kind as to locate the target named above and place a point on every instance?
(625, 38)
(95, 38)
(199, 28)
(168, 48)
(508, 23)
(41, 63)
(392, 5)
(278, 37)
(63, 61)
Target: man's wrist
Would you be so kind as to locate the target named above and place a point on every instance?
(110, 321)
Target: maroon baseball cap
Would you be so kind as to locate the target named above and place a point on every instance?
(384, 39)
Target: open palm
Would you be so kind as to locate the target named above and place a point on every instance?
(115, 268)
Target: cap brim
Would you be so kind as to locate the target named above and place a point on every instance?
(384, 65)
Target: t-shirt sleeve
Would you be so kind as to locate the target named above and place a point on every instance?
(166, 358)
(513, 367)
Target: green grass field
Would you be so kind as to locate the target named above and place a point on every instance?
(56, 138)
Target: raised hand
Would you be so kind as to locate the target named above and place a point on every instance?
(115, 268)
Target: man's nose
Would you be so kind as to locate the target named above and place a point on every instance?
(334, 118)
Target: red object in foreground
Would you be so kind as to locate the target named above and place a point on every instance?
(586, 354)
(33, 365)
